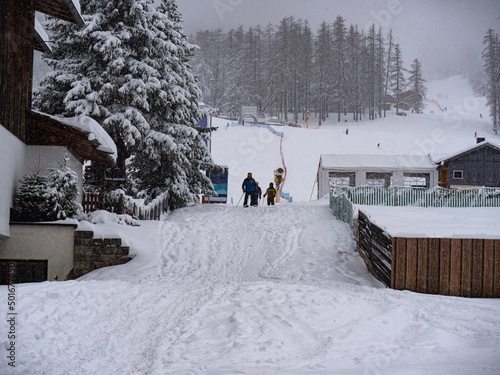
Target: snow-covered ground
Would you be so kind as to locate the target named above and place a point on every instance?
(220, 289)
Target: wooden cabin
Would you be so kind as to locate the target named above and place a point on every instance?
(476, 166)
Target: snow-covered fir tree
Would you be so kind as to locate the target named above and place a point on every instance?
(32, 201)
(63, 191)
(49, 198)
(491, 57)
(128, 69)
(417, 86)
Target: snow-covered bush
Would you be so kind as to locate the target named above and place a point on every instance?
(32, 201)
(48, 199)
(63, 190)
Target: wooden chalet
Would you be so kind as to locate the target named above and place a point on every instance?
(476, 166)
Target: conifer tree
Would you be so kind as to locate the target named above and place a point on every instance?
(128, 69)
(63, 191)
(417, 86)
(32, 201)
(491, 57)
(397, 78)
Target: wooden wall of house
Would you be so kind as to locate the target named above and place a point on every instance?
(16, 63)
(481, 167)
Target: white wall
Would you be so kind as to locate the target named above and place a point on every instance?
(12, 164)
(44, 157)
(51, 242)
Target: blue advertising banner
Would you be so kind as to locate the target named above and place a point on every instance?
(219, 180)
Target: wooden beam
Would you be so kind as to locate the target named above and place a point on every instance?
(477, 267)
(411, 264)
(496, 288)
(466, 267)
(399, 271)
(489, 268)
(422, 264)
(455, 267)
(444, 266)
(434, 269)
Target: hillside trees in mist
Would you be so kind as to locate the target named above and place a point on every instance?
(289, 69)
(416, 86)
(491, 57)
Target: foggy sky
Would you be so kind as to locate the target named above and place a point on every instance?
(446, 35)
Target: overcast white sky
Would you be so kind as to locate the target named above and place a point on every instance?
(444, 34)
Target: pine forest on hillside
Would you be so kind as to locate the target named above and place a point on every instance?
(286, 68)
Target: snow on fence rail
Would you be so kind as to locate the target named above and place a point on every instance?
(120, 203)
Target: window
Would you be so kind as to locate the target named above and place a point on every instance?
(342, 179)
(458, 175)
(22, 271)
(416, 179)
(381, 179)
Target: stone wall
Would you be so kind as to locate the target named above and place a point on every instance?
(93, 253)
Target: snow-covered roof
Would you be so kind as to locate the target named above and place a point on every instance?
(97, 137)
(377, 162)
(42, 38)
(68, 10)
(95, 133)
(442, 158)
(442, 222)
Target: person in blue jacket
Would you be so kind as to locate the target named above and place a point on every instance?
(249, 187)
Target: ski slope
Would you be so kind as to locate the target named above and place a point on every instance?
(220, 289)
(249, 149)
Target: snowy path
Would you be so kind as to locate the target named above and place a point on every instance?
(267, 290)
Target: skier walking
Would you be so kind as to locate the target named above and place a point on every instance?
(271, 193)
(258, 191)
(249, 188)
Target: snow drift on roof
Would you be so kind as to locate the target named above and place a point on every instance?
(94, 131)
(442, 158)
(376, 162)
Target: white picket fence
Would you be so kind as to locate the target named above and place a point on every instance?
(342, 199)
(421, 197)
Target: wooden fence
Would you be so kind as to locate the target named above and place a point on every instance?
(448, 266)
(92, 202)
(420, 197)
(120, 203)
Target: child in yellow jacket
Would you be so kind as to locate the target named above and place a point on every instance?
(271, 194)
